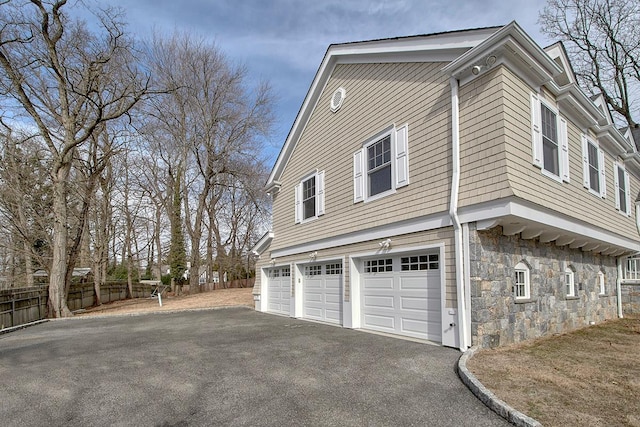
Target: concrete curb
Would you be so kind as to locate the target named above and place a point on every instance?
(26, 325)
(488, 398)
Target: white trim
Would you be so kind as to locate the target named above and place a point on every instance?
(413, 225)
(563, 148)
(401, 156)
(489, 212)
(335, 106)
(455, 335)
(524, 268)
(572, 286)
(262, 244)
(467, 279)
(535, 213)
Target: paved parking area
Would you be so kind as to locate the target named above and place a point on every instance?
(230, 367)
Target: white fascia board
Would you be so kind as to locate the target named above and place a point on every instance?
(557, 50)
(414, 225)
(436, 47)
(612, 135)
(514, 36)
(262, 244)
(538, 214)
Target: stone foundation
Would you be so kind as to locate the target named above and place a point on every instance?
(497, 319)
(630, 299)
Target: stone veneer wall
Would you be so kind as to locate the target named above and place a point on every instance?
(496, 319)
(630, 299)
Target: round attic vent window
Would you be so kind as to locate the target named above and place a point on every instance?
(337, 99)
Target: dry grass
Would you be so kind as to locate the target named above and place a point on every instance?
(211, 299)
(587, 377)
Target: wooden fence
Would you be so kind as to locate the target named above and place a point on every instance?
(24, 305)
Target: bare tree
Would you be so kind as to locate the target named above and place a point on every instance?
(602, 38)
(212, 119)
(67, 81)
(24, 206)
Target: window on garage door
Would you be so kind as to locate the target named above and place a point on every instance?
(419, 262)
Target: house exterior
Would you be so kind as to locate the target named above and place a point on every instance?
(455, 187)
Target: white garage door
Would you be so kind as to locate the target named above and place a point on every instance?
(322, 292)
(279, 292)
(401, 295)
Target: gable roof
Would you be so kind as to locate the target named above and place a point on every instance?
(445, 46)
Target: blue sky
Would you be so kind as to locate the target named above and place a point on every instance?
(283, 41)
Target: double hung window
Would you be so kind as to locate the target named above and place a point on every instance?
(593, 167)
(381, 166)
(621, 180)
(549, 140)
(309, 197)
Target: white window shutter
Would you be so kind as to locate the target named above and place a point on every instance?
(298, 199)
(320, 193)
(564, 153)
(585, 161)
(536, 131)
(627, 192)
(616, 183)
(603, 175)
(402, 156)
(358, 176)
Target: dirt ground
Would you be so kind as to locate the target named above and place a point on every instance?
(587, 377)
(217, 298)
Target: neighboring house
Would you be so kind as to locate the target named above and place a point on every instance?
(455, 187)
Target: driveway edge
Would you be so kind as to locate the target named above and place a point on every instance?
(24, 325)
(144, 313)
(488, 398)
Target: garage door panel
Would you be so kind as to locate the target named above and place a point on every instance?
(322, 290)
(279, 290)
(379, 283)
(414, 327)
(313, 297)
(313, 313)
(313, 284)
(409, 283)
(333, 315)
(378, 321)
(414, 303)
(405, 300)
(332, 299)
(380, 302)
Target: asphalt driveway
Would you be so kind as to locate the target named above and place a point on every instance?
(230, 367)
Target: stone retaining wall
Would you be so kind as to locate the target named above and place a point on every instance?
(497, 319)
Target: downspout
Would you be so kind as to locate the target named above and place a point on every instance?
(453, 212)
(619, 286)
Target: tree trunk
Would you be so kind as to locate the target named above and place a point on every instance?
(28, 259)
(158, 226)
(57, 300)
